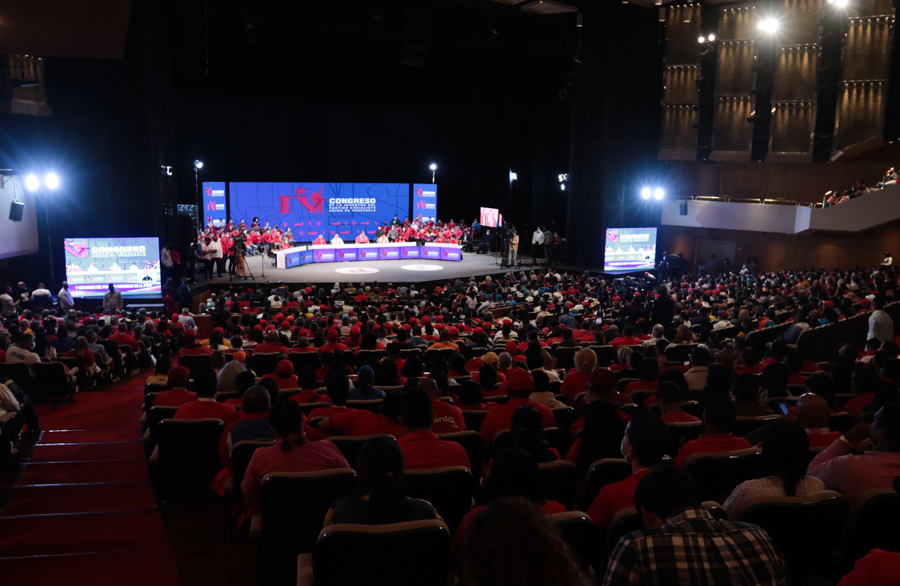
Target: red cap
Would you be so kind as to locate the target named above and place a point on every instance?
(284, 367)
(332, 335)
(602, 377)
(512, 347)
(285, 324)
(519, 380)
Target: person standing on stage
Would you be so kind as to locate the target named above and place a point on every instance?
(206, 255)
(504, 238)
(362, 238)
(537, 241)
(513, 247)
(215, 253)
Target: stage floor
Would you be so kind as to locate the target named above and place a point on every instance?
(383, 271)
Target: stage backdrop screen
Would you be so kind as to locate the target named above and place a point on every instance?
(214, 203)
(425, 201)
(131, 264)
(629, 249)
(313, 208)
(490, 217)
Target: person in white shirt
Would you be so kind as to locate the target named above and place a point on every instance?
(65, 298)
(112, 299)
(22, 352)
(888, 260)
(186, 319)
(537, 241)
(881, 326)
(337, 240)
(215, 253)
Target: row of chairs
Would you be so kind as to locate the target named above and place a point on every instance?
(48, 383)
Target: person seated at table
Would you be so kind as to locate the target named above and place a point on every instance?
(362, 238)
(383, 239)
(337, 240)
(320, 240)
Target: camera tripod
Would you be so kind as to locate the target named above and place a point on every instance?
(232, 270)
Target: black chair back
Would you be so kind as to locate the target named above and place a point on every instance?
(301, 359)
(241, 452)
(19, 373)
(265, 363)
(194, 362)
(188, 458)
(602, 472)
(349, 446)
(718, 473)
(558, 480)
(874, 525)
(450, 490)
(474, 419)
(474, 445)
(51, 383)
(581, 535)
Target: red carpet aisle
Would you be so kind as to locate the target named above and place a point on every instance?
(83, 513)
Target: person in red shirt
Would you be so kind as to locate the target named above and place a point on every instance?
(362, 238)
(309, 388)
(448, 418)
(252, 423)
(668, 397)
(176, 393)
(332, 344)
(205, 405)
(320, 240)
(338, 388)
(718, 419)
(643, 446)
(122, 337)
(362, 422)
(423, 449)
(864, 382)
(648, 369)
(520, 385)
(626, 339)
(192, 347)
(576, 379)
(284, 375)
(812, 413)
(272, 345)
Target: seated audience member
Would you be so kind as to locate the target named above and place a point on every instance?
(525, 427)
(291, 452)
(448, 418)
(23, 405)
(750, 360)
(718, 419)
(205, 405)
(488, 378)
(364, 391)
(785, 455)
(812, 413)
(877, 568)
(520, 385)
(746, 397)
(309, 391)
(22, 352)
(648, 369)
(272, 345)
(668, 397)
(226, 377)
(864, 382)
(338, 389)
(672, 550)
(176, 393)
(775, 379)
(388, 374)
(643, 446)
(514, 473)
(470, 398)
(380, 497)
(542, 393)
(242, 382)
(699, 368)
(851, 475)
(252, 423)
(512, 543)
(362, 422)
(284, 375)
(575, 380)
(601, 436)
(423, 449)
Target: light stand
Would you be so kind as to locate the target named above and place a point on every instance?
(49, 245)
(198, 164)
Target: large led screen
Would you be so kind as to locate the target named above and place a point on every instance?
(629, 249)
(131, 264)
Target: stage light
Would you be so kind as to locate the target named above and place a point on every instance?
(768, 25)
(645, 193)
(840, 3)
(51, 180)
(198, 164)
(711, 37)
(513, 176)
(562, 186)
(433, 167)
(32, 182)
(701, 40)
(658, 194)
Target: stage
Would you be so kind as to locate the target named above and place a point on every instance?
(412, 270)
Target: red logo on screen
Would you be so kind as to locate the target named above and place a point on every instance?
(318, 255)
(314, 204)
(341, 254)
(446, 254)
(209, 191)
(77, 249)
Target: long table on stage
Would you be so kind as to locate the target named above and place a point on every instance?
(316, 253)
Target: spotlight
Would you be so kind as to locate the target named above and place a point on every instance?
(563, 177)
(198, 164)
(513, 176)
(658, 194)
(562, 186)
(701, 40)
(32, 182)
(433, 167)
(768, 25)
(711, 37)
(645, 193)
(51, 180)
(840, 3)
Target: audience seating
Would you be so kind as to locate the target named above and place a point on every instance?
(294, 505)
(805, 528)
(401, 554)
(682, 432)
(473, 443)
(694, 408)
(51, 384)
(372, 405)
(623, 522)
(744, 425)
(558, 480)
(717, 473)
(602, 472)
(19, 373)
(565, 357)
(188, 458)
(241, 452)
(308, 408)
(308, 359)
(554, 436)
(873, 523)
(841, 422)
(264, 363)
(194, 362)
(430, 356)
(364, 356)
(640, 396)
(624, 382)
(606, 355)
(474, 419)
(349, 446)
(581, 535)
(451, 491)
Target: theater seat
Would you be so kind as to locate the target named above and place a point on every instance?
(372, 405)
(717, 473)
(194, 362)
(805, 528)
(474, 419)
(682, 432)
(350, 446)
(474, 445)
(241, 452)
(602, 472)
(873, 523)
(416, 553)
(557, 482)
(188, 459)
(264, 363)
(51, 384)
(581, 535)
(744, 425)
(301, 359)
(451, 491)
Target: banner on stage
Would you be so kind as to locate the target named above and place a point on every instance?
(311, 209)
(131, 264)
(214, 203)
(629, 249)
(425, 201)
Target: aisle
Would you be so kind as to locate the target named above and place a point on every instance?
(83, 512)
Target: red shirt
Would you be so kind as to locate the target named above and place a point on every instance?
(613, 498)
(331, 347)
(822, 438)
(312, 433)
(310, 396)
(424, 450)
(877, 568)
(360, 422)
(680, 417)
(499, 418)
(270, 348)
(447, 418)
(124, 340)
(197, 350)
(641, 385)
(174, 398)
(200, 409)
(89, 359)
(574, 382)
(711, 442)
(855, 406)
(624, 341)
(284, 383)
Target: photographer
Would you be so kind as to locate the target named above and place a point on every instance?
(239, 250)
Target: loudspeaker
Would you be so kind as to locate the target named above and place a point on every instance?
(682, 208)
(16, 209)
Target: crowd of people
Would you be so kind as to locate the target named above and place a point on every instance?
(838, 196)
(501, 342)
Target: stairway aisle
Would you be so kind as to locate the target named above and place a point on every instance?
(83, 512)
